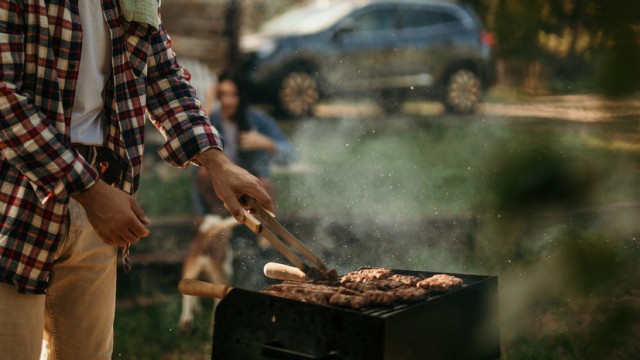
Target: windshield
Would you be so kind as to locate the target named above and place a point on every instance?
(307, 19)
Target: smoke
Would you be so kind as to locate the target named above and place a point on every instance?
(369, 187)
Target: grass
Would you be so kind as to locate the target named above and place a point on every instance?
(147, 315)
(165, 191)
(416, 166)
(151, 332)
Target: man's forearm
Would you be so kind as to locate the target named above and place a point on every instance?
(212, 158)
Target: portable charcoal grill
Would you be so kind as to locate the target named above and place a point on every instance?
(461, 324)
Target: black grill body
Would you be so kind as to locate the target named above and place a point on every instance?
(461, 324)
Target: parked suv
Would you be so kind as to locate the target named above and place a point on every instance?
(393, 50)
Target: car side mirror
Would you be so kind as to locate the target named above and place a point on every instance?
(347, 26)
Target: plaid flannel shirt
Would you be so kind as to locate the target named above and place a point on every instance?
(40, 42)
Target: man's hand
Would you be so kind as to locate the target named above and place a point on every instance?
(114, 214)
(232, 182)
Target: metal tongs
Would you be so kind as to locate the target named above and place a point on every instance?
(263, 222)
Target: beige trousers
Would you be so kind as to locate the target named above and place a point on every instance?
(74, 320)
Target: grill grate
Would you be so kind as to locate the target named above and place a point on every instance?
(384, 311)
(461, 324)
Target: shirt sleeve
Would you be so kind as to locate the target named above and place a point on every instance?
(29, 139)
(266, 125)
(173, 106)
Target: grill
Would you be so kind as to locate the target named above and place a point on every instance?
(461, 324)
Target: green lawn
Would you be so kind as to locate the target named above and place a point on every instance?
(423, 166)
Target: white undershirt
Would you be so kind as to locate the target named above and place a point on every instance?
(95, 68)
(230, 132)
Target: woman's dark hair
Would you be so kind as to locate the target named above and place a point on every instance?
(241, 114)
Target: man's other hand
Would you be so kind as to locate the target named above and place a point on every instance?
(114, 214)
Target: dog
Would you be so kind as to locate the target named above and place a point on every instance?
(210, 255)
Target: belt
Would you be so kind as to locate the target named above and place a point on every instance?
(105, 160)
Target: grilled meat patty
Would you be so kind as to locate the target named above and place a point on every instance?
(366, 287)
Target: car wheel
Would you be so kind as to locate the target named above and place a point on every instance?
(463, 92)
(298, 94)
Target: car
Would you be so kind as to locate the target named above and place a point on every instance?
(390, 50)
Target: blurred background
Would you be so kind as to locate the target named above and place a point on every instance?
(513, 150)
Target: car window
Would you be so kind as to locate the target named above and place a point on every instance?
(419, 18)
(376, 19)
(307, 19)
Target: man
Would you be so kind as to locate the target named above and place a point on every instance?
(77, 77)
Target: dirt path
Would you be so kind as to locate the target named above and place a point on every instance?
(582, 108)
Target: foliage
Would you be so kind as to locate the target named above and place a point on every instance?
(569, 39)
(568, 274)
